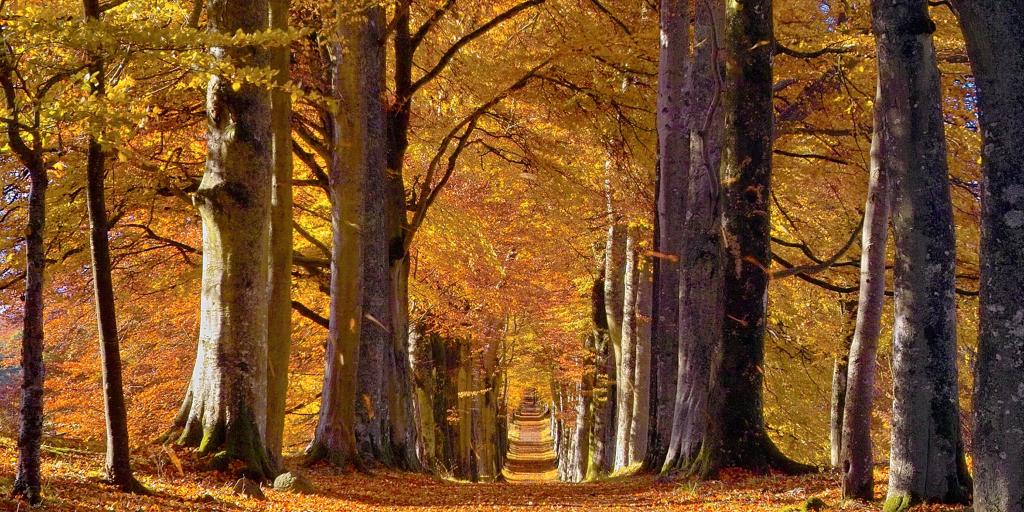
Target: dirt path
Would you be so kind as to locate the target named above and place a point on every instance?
(531, 455)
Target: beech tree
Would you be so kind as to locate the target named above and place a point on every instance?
(279, 317)
(225, 409)
(26, 141)
(856, 456)
(117, 467)
(671, 191)
(927, 454)
(358, 66)
(995, 45)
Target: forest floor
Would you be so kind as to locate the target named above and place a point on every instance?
(70, 480)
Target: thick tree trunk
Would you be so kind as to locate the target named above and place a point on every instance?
(402, 434)
(117, 465)
(614, 286)
(279, 316)
(30, 433)
(227, 399)
(857, 459)
(640, 426)
(840, 367)
(927, 455)
(740, 437)
(700, 269)
(602, 437)
(357, 83)
(627, 354)
(995, 45)
(673, 159)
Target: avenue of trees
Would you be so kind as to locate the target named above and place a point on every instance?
(366, 226)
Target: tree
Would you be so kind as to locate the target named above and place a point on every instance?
(118, 467)
(855, 455)
(279, 317)
(224, 411)
(700, 266)
(739, 435)
(358, 129)
(673, 162)
(27, 143)
(626, 387)
(927, 458)
(995, 45)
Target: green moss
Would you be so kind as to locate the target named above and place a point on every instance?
(897, 503)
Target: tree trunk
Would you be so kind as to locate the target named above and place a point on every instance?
(995, 45)
(627, 354)
(840, 367)
(117, 465)
(30, 433)
(227, 399)
(673, 159)
(927, 457)
(642, 391)
(602, 438)
(402, 434)
(700, 268)
(358, 86)
(741, 438)
(857, 459)
(279, 317)
(581, 433)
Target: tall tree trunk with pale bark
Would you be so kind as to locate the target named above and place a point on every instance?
(640, 425)
(225, 409)
(995, 44)
(358, 87)
(279, 316)
(627, 354)
(926, 461)
(673, 162)
(856, 456)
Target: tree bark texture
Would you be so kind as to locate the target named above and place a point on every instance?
(857, 459)
(995, 45)
(226, 402)
(927, 455)
(626, 371)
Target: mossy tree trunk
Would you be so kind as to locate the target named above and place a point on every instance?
(737, 435)
(927, 455)
(225, 409)
(626, 370)
(995, 44)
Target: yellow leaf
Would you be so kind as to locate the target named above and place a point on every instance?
(235, 86)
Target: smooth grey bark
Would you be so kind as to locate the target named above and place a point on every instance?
(640, 426)
(602, 437)
(701, 299)
(927, 455)
(995, 45)
(279, 315)
(840, 368)
(117, 463)
(673, 159)
(356, 145)
(614, 284)
(226, 403)
(856, 456)
(580, 454)
(626, 371)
